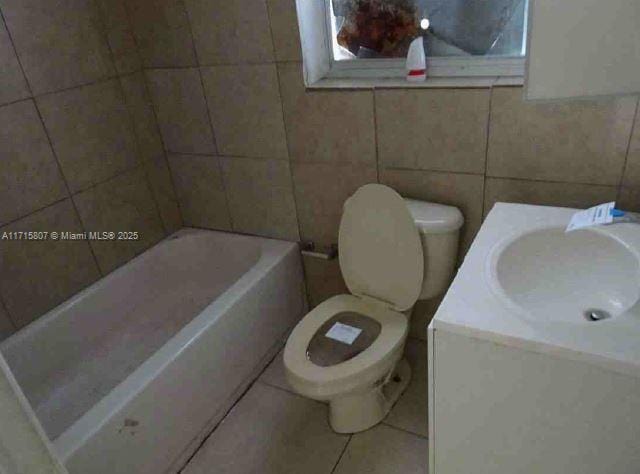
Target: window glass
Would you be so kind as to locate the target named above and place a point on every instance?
(363, 29)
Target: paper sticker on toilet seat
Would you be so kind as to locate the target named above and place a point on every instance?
(343, 333)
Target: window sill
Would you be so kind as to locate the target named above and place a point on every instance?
(329, 83)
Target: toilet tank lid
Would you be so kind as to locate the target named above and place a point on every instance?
(432, 218)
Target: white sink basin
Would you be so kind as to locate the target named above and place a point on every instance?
(525, 283)
(581, 276)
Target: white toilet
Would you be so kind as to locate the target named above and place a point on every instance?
(348, 350)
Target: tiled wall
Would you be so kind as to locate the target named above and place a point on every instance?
(252, 151)
(80, 150)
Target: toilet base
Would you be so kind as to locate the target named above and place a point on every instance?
(360, 411)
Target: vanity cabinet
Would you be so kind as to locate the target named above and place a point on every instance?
(503, 410)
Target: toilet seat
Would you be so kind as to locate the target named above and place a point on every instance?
(325, 382)
(380, 249)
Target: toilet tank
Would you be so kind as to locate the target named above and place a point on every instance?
(439, 228)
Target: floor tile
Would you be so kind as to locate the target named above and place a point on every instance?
(271, 431)
(274, 374)
(410, 412)
(384, 450)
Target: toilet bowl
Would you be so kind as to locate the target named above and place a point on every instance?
(348, 350)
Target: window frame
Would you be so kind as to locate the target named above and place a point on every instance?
(456, 68)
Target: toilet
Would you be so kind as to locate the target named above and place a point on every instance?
(348, 350)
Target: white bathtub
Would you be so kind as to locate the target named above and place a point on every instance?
(129, 375)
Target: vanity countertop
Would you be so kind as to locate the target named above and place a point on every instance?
(474, 306)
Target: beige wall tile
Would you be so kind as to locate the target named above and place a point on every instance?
(161, 183)
(227, 32)
(200, 191)
(324, 280)
(321, 190)
(545, 194)
(151, 149)
(69, 48)
(581, 141)
(91, 133)
(6, 325)
(245, 107)
(144, 120)
(271, 431)
(437, 129)
(162, 32)
(326, 126)
(261, 197)
(284, 28)
(629, 199)
(182, 111)
(383, 450)
(122, 204)
(68, 265)
(632, 169)
(120, 36)
(13, 85)
(465, 191)
(29, 175)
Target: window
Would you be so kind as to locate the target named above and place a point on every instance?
(463, 38)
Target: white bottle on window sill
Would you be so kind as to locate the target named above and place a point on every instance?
(416, 61)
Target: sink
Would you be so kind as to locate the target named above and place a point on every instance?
(582, 277)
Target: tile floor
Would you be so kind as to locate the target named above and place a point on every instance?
(272, 430)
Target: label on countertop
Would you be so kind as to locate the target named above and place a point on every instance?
(343, 333)
(594, 216)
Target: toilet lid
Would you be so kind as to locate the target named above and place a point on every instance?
(380, 249)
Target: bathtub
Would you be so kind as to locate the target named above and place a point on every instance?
(129, 376)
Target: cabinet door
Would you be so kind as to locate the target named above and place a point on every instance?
(580, 48)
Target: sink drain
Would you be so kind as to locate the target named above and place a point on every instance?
(596, 315)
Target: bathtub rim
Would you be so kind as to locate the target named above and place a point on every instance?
(46, 319)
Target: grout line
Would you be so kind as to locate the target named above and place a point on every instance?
(221, 64)
(634, 122)
(50, 142)
(291, 163)
(141, 158)
(19, 61)
(119, 174)
(287, 144)
(346, 445)
(149, 102)
(226, 414)
(486, 154)
(3, 305)
(403, 430)
(375, 135)
(417, 339)
(211, 127)
(224, 155)
(66, 183)
(425, 170)
(215, 427)
(132, 122)
(35, 211)
(103, 79)
(17, 101)
(291, 392)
